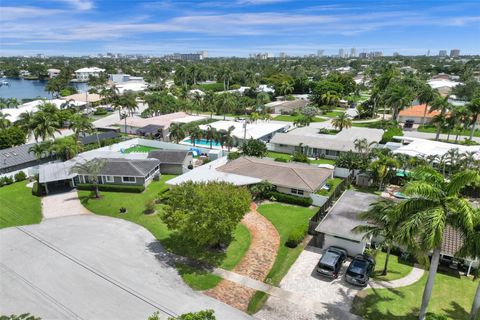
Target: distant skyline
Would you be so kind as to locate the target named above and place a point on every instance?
(237, 27)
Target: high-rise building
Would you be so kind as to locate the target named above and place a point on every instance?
(282, 55)
(353, 53)
(428, 53)
(320, 53)
(454, 53)
(363, 55)
(341, 53)
(442, 53)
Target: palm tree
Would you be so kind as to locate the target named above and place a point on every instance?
(211, 135)
(330, 98)
(254, 116)
(80, 125)
(382, 223)
(38, 150)
(471, 249)
(426, 95)
(363, 146)
(434, 203)
(44, 126)
(196, 134)
(474, 107)
(4, 122)
(398, 96)
(440, 104)
(176, 132)
(225, 138)
(342, 121)
(382, 167)
(225, 104)
(92, 170)
(285, 89)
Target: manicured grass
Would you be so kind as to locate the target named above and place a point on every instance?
(396, 269)
(380, 124)
(452, 296)
(110, 203)
(453, 133)
(139, 148)
(288, 157)
(289, 118)
(18, 206)
(285, 219)
(334, 114)
(333, 183)
(197, 279)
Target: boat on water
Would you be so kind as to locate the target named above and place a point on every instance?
(4, 83)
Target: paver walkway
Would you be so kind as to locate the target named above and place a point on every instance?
(411, 278)
(62, 205)
(255, 265)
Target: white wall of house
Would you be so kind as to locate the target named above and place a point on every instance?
(287, 190)
(353, 248)
(417, 120)
(280, 148)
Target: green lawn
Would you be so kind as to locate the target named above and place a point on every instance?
(334, 114)
(139, 148)
(111, 202)
(288, 157)
(396, 269)
(333, 185)
(285, 219)
(452, 296)
(197, 279)
(289, 118)
(18, 206)
(380, 124)
(453, 133)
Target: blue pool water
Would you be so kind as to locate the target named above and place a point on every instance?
(203, 142)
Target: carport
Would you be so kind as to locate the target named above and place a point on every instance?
(57, 176)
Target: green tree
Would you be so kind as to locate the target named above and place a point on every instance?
(196, 134)
(92, 170)
(44, 126)
(440, 104)
(176, 132)
(4, 122)
(285, 89)
(66, 148)
(382, 167)
(38, 150)
(398, 96)
(426, 95)
(254, 148)
(80, 125)
(434, 203)
(10, 137)
(474, 107)
(342, 121)
(206, 204)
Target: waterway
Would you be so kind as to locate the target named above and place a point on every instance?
(30, 89)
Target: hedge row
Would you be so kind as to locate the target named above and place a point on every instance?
(112, 187)
(291, 199)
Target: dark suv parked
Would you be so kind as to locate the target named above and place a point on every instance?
(359, 270)
(331, 262)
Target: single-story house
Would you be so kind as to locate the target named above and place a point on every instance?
(95, 138)
(19, 158)
(452, 242)
(151, 130)
(322, 145)
(173, 161)
(125, 171)
(336, 227)
(299, 179)
(83, 98)
(283, 107)
(416, 113)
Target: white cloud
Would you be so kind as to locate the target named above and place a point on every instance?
(21, 13)
(82, 5)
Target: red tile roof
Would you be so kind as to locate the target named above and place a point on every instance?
(417, 111)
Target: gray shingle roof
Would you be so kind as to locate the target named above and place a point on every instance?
(343, 217)
(169, 156)
(129, 167)
(101, 136)
(15, 156)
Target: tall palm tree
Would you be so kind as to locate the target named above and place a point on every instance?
(211, 135)
(45, 126)
(398, 96)
(426, 95)
(225, 137)
(38, 150)
(80, 125)
(4, 122)
(433, 203)
(474, 107)
(225, 104)
(176, 132)
(471, 249)
(382, 223)
(363, 146)
(342, 121)
(440, 104)
(382, 167)
(196, 134)
(92, 170)
(285, 89)
(330, 98)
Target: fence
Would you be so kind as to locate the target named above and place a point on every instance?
(322, 211)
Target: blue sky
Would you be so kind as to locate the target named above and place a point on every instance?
(236, 27)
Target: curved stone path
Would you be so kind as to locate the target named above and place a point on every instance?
(414, 275)
(256, 263)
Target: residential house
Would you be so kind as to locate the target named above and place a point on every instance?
(416, 114)
(173, 161)
(98, 138)
(19, 158)
(286, 107)
(84, 74)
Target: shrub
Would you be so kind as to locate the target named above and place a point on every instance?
(390, 133)
(5, 181)
(281, 160)
(233, 155)
(291, 199)
(149, 207)
(112, 188)
(100, 112)
(37, 189)
(20, 176)
(300, 157)
(296, 236)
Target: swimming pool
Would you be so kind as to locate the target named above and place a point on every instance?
(202, 142)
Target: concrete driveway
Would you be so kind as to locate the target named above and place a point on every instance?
(322, 298)
(93, 267)
(62, 205)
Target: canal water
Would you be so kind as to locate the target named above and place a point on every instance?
(30, 89)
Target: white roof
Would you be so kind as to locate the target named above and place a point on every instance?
(131, 86)
(254, 130)
(13, 114)
(208, 172)
(440, 83)
(163, 120)
(90, 69)
(422, 148)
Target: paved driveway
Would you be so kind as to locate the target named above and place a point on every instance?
(93, 267)
(62, 204)
(322, 298)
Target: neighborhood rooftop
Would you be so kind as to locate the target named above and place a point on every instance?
(169, 156)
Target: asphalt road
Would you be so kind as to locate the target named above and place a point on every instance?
(93, 267)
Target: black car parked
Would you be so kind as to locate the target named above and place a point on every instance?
(360, 269)
(331, 262)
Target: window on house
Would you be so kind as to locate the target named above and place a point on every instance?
(109, 179)
(296, 191)
(128, 179)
